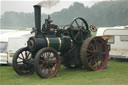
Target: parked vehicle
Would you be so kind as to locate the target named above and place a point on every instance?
(74, 47)
(4, 36)
(3, 52)
(14, 44)
(118, 39)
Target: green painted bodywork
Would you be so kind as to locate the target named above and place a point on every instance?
(59, 44)
(66, 46)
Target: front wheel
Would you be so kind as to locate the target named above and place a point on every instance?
(23, 62)
(47, 62)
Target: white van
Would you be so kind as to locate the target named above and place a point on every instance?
(3, 45)
(5, 35)
(16, 43)
(117, 38)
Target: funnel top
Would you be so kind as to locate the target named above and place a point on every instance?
(37, 6)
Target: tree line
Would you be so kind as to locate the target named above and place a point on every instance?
(106, 13)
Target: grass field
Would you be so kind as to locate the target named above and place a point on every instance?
(115, 74)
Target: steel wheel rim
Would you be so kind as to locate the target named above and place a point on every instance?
(94, 59)
(47, 67)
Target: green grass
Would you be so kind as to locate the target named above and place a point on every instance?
(115, 74)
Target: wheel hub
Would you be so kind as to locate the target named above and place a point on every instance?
(98, 54)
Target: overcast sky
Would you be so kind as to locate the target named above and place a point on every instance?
(27, 5)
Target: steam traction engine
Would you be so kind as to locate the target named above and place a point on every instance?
(73, 46)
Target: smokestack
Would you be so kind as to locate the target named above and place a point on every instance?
(37, 12)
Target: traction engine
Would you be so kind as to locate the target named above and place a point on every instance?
(73, 46)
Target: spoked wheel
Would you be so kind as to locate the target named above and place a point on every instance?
(23, 62)
(79, 30)
(47, 62)
(94, 53)
(73, 66)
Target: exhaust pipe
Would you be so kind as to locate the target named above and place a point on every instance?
(37, 13)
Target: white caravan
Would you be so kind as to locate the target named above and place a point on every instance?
(117, 38)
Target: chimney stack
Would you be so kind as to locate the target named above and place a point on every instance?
(37, 14)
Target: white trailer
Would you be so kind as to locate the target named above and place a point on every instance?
(117, 38)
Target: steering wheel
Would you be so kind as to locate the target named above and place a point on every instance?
(79, 30)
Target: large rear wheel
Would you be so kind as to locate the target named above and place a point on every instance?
(94, 53)
(47, 62)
